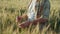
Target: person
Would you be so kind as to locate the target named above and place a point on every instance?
(36, 9)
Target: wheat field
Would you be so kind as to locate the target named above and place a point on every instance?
(9, 9)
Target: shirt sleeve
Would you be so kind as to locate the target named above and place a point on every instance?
(31, 11)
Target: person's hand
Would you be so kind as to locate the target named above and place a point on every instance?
(24, 16)
(18, 19)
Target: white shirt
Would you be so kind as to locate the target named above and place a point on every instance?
(31, 11)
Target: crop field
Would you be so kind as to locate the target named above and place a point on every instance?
(10, 9)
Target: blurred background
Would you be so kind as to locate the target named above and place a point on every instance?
(10, 9)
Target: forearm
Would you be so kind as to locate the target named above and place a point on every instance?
(35, 22)
(40, 20)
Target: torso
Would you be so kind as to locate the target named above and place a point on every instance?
(32, 12)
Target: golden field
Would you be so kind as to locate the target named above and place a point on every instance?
(10, 9)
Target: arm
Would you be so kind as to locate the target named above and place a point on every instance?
(35, 22)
